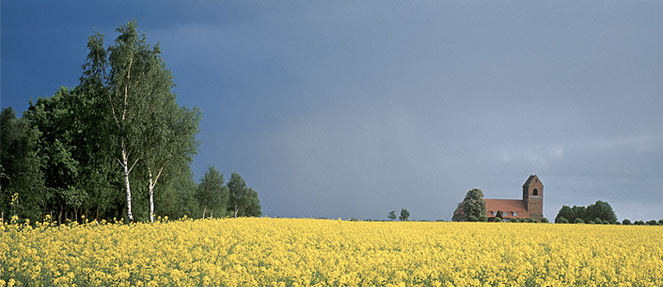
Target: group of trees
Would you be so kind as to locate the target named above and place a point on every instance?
(405, 214)
(234, 199)
(599, 212)
(114, 146)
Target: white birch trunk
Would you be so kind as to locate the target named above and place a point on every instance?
(125, 167)
(152, 183)
(150, 188)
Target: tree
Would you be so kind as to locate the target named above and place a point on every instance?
(652, 222)
(404, 214)
(626, 222)
(211, 194)
(392, 215)
(243, 201)
(170, 141)
(562, 220)
(601, 210)
(128, 75)
(20, 171)
(565, 212)
(474, 206)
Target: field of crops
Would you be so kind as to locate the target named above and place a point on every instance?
(309, 252)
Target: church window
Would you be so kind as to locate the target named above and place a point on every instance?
(514, 213)
(535, 192)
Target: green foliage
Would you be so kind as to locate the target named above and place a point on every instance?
(20, 171)
(660, 222)
(579, 221)
(561, 219)
(652, 222)
(392, 215)
(599, 209)
(497, 219)
(243, 201)
(474, 206)
(211, 195)
(626, 222)
(564, 212)
(598, 221)
(639, 222)
(602, 210)
(513, 220)
(545, 220)
(404, 215)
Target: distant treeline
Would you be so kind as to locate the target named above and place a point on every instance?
(117, 145)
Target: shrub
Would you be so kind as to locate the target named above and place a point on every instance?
(626, 222)
(522, 220)
(598, 221)
(545, 220)
(563, 220)
(652, 222)
(513, 219)
(497, 219)
(639, 222)
(579, 221)
(559, 219)
(660, 222)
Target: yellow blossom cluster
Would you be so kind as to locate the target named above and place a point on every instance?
(314, 252)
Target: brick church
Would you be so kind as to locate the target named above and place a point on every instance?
(531, 206)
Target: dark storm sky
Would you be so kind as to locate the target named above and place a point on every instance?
(351, 109)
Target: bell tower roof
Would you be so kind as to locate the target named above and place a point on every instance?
(532, 179)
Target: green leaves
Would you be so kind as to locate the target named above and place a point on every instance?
(474, 206)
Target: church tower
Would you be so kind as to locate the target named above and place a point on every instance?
(533, 197)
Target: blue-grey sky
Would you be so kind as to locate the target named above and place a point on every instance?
(354, 108)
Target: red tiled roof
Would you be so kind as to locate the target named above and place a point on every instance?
(506, 206)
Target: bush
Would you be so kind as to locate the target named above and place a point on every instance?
(639, 222)
(497, 219)
(563, 220)
(579, 221)
(606, 222)
(660, 222)
(560, 218)
(522, 220)
(514, 220)
(626, 222)
(618, 223)
(598, 221)
(545, 220)
(652, 222)
(591, 222)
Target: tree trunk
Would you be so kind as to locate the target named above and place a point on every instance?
(204, 210)
(125, 169)
(212, 214)
(236, 210)
(150, 189)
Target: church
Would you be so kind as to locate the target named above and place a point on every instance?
(531, 206)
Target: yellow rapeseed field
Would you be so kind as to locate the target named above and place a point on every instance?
(310, 252)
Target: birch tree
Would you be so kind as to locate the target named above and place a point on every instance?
(123, 73)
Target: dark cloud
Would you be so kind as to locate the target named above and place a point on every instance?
(354, 109)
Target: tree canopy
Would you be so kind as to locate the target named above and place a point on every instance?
(474, 206)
